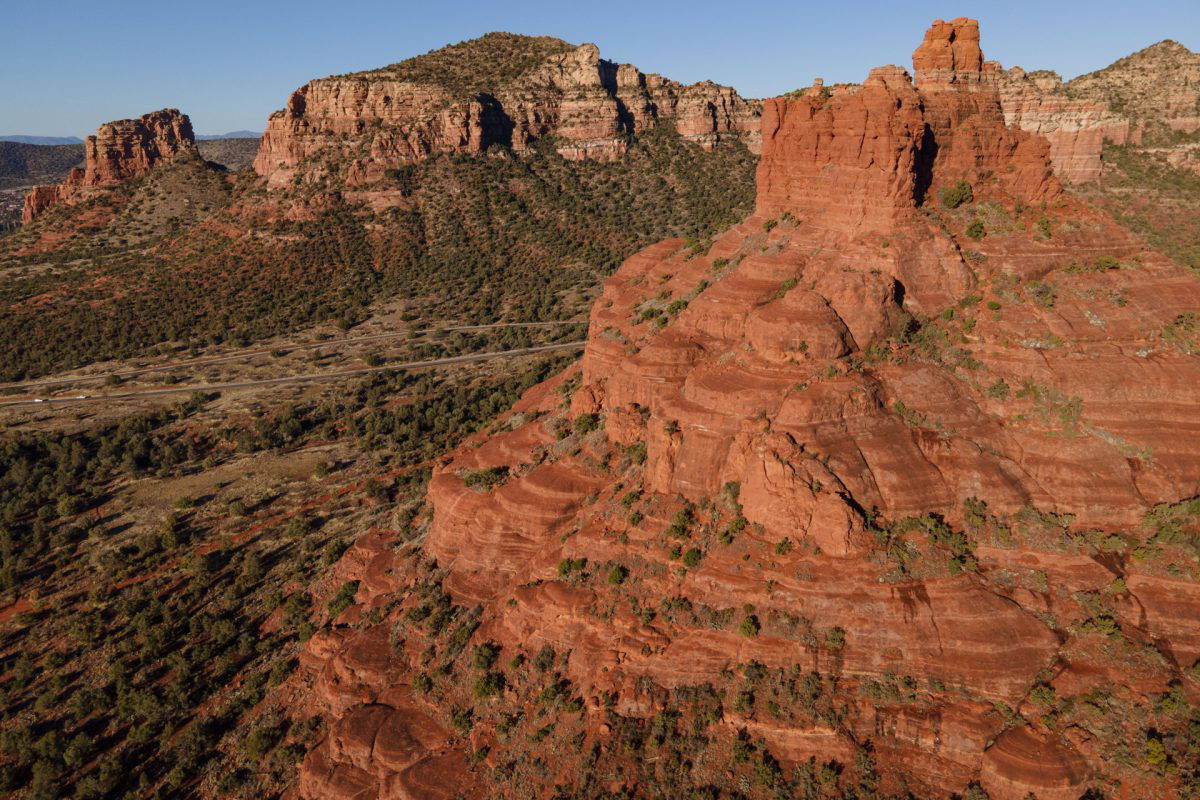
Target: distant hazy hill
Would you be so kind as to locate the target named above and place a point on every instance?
(235, 154)
(28, 164)
(204, 137)
(42, 139)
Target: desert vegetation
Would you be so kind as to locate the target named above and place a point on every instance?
(490, 238)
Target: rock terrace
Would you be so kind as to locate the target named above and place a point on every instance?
(911, 389)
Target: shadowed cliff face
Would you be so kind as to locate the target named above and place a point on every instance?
(120, 151)
(905, 431)
(358, 127)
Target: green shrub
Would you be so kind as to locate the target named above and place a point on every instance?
(462, 720)
(1042, 293)
(544, 659)
(954, 196)
(485, 655)
(343, 599)
(485, 478)
(1042, 695)
(749, 626)
(260, 742)
(680, 524)
(976, 230)
(490, 684)
(570, 565)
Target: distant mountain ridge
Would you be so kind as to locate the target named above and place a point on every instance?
(204, 137)
(42, 139)
(50, 140)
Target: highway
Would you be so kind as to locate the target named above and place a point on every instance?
(306, 378)
(245, 354)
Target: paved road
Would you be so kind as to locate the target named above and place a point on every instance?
(309, 378)
(244, 354)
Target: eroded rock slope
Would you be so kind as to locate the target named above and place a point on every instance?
(886, 491)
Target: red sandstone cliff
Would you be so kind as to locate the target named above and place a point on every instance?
(1144, 96)
(119, 151)
(857, 356)
(360, 126)
(1076, 128)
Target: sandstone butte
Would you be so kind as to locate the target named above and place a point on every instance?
(843, 364)
(120, 151)
(356, 128)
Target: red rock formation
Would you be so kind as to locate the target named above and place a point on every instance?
(865, 159)
(1042, 403)
(38, 200)
(1021, 763)
(1076, 129)
(369, 123)
(119, 151)
(1145, 94)
(949, 55)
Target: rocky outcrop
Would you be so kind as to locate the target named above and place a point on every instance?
(950, 57)
(1076, 128)
(120, 151)
(868, 159)
(38, 200)
(1142, 97)
(887, 431)
(358, 127)
(1154, 89)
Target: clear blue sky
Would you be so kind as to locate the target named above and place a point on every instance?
(65, 67)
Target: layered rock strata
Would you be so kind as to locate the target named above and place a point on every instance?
(118, 152)
(358, 127)
(930, 400)
(1151, 95)
(1076, 128)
